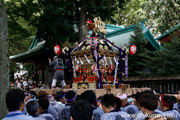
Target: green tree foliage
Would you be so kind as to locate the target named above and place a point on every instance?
(130, 13)
(21, 31)
(166, 60)
(161, 15)
(54, 19)
(134, 61)
(56, 22)
(58, 18)
(105, 9)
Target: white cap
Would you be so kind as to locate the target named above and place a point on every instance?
(55, 57)
(123, 96)
(160, 98)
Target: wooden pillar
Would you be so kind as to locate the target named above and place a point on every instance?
(172, 86)
(146, 84)
(168, 86)
(43, 76)
(178, 81)
(176, 86)
(156, 86)
(164, 87)
(150, 84)
(133, 84)
(153, 85)
(160, 87)
(137, 84)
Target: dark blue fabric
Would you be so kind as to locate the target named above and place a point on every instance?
(34, 115)
(14, 114)
(45, 112)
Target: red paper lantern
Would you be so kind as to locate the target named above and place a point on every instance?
(89, 21)
(133, 49)
(57, 49)
(89, 24)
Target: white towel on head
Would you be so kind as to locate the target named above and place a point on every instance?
(123, 96)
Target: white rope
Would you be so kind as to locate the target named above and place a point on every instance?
(87, 58)
(74, 72)
(101, 60)
(77, 61)
(98, 74)
(115, 74)
(105, 60)
(110, 61)
(95, 53)
(81, 61)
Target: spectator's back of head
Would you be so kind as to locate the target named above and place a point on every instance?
(59, 95)
(14, 98)
(70, 96)
(174, 99)
(118, 103)
(98, 101)
(89, 96)
(42, 94)
(137, 96)
(81, 110)
(167, 102)
(148, 91)
(148, 101)
(99, 98)
(32, 107)
(33, 93)
(43, 104)
(108, 101)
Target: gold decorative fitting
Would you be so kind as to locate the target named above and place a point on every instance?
(100, 46)
(65, 48)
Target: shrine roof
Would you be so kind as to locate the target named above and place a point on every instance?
(122, 36)
(167, 33)
(34, 49)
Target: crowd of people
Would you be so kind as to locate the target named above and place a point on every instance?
(26, 84)
(67, 105)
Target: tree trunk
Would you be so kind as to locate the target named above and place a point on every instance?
(82, 18)
(4, 60)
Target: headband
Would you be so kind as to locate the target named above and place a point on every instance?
(164, 103)
(98, 100)
(69, 100)
(130, 99)
(62, 96)
(49, 97)
(33, 96)
(124, 96)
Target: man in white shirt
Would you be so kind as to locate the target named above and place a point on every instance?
(25, 84)
(15, 103)
(19, 85)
